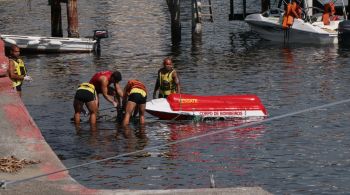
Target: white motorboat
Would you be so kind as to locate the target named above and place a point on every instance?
(310, 29)
(40, 44)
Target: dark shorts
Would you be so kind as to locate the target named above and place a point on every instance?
(84, 96)
(137, 98)
(19, 87)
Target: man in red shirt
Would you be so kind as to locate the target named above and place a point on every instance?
(103, 80)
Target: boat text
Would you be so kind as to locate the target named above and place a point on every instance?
(221, 113)
(188, 101)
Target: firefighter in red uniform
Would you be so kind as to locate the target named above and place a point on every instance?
(103, 80)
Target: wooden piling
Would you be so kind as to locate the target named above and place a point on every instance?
(174, 8)
(56, 19)
(72, 17)
(244, 8)
(232, 11)
(265, 5)
(196, 20)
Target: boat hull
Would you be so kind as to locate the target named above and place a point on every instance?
(50, 44)
(187, 107)
(270, 28)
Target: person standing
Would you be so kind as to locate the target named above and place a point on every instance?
(85, 94)
(17, 70)
(167, 81)
(135, 96)
(102, 81)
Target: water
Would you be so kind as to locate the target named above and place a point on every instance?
(302, 154)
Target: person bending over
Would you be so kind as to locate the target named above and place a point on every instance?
(102, 81)
(85, 94)
(135, 96)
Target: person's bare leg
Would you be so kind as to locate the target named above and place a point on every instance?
(130, 106)
(136, 111)
(92, 107)
(78, 105)
(142, 108)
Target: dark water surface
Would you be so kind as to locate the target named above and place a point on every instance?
(303, 154)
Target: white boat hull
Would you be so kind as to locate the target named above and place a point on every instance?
(50, 44)
(270, 28)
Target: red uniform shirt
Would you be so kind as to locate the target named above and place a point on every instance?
(95, 80)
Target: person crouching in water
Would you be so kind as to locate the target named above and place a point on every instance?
(85, 94)
(135, 96)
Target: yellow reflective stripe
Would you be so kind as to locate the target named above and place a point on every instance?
(140, 91)
(87, 86)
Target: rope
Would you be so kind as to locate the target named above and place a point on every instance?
(3, 183)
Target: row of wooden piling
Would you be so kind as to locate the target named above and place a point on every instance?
(174, 9)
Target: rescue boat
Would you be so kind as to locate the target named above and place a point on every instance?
(187, 107)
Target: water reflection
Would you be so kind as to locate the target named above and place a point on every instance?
(112, 141)
(237, 139)
(136, 137)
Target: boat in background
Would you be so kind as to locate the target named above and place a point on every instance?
(187, 107)
(37, 44)
(309, 28)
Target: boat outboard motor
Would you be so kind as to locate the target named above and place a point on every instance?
(98, 35)
(344, 32)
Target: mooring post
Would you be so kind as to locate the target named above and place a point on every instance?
(348, 9)
(174, 8)
(244, 8)
(72, 17)
(265, 5)
(231, 16)
(196, 19)
(310, 5)
(56, 18)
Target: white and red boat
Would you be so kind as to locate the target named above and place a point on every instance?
(186, 107)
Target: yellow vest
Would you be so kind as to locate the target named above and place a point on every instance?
(88, 86)
(20, 70)
(166, 83)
